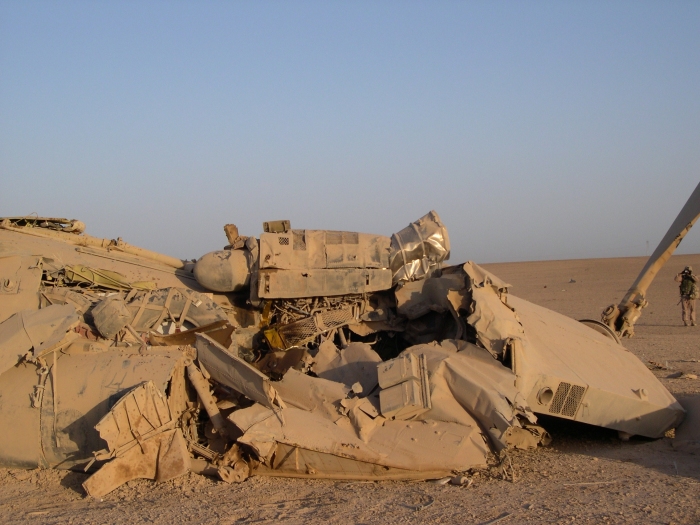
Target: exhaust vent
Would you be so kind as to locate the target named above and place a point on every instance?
(567, 399)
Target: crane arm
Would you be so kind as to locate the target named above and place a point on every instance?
(622, 317)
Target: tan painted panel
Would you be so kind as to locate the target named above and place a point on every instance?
(288, 284)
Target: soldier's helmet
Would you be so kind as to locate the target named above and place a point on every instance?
(688, 269)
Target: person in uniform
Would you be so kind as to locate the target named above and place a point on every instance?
(689, 292)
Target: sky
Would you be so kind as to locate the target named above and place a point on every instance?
(537, 130)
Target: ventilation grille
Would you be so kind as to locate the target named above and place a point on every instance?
(567, 399)
(559, 397)
(573, 400)
(284, 241)
(300, 332)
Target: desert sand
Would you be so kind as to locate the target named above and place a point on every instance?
(587, 475)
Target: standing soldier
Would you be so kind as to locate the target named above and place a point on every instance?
(689, 292)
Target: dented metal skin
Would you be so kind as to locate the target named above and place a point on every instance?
(301, 353)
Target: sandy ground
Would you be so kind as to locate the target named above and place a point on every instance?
(587, 475)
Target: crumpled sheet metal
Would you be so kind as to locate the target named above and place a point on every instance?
(313, 394)
(34, 329)
(480, 277)
(355, 364)
(232, 371)
(467, 382)
(320, 417)
(419, 249)
(409, 445)
(494, 321)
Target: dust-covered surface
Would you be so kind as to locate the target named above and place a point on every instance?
(587, 475)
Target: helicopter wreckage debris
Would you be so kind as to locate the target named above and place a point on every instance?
(304, 353)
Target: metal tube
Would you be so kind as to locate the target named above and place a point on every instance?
(201, 385)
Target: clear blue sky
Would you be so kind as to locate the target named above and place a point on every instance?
(537, 130)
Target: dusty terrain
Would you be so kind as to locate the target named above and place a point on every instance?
(587, 474)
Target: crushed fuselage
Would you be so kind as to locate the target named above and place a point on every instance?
(306, 353)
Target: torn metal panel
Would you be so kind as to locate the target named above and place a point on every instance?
(494, 321)
(21, 447)
(230, 370)
(139, 414)
(431, 445)
(161, 458)
(481, 277)
(141, 440)
(418, 249)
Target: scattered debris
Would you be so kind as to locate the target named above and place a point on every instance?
(461, 481)
(657, 366)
